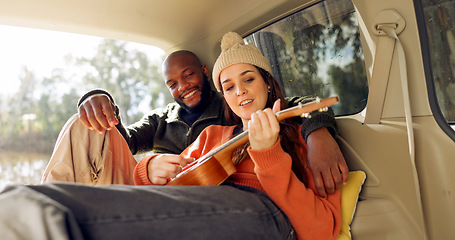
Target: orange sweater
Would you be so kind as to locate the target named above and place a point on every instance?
(270, 171)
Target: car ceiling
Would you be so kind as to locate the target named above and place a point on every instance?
(170, 25)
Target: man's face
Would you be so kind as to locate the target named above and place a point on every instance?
(186, 80)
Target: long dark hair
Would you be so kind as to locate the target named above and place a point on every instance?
(289, 129)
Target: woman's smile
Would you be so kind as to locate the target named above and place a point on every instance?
(246, 102)
(244, 89)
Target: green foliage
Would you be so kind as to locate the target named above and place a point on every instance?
(314, 53)
(128, 75)
(348, 82)
(32, 117)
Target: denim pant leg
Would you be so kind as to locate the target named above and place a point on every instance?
(27, 214)
(156, 212)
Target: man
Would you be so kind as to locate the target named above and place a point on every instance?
(82, 155)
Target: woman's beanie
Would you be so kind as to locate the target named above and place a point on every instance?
(233, 51)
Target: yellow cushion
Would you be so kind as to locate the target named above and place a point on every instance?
(349, 196)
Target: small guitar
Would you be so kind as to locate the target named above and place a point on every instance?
(216, 166)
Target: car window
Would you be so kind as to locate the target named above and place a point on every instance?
(440, 29)
(42, 92)
(317, 52)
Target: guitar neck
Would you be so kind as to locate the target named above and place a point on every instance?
(242, 138)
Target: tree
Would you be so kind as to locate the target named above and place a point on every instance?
(19, 104)
(37, 112)
(317, 52)
(128, 75)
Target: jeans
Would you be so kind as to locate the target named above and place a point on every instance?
(75, 211)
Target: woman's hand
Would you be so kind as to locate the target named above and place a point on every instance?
(264, 128)
(165, 166)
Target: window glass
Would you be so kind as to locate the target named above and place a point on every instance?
(439, 20)
(317, 52)
(44, 73)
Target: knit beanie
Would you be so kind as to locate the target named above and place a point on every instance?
(233, 51)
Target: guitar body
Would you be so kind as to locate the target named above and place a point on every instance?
(210, 172)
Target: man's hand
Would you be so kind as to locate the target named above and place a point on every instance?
(165, 166)
(326, 161)
(97, 112)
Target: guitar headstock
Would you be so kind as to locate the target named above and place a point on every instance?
(324, 109)
(308, 114)
(305, 109)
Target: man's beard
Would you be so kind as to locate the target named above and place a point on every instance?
(205, 97)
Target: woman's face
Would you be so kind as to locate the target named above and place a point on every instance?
(244, 89)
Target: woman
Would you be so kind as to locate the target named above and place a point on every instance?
(273, 161)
